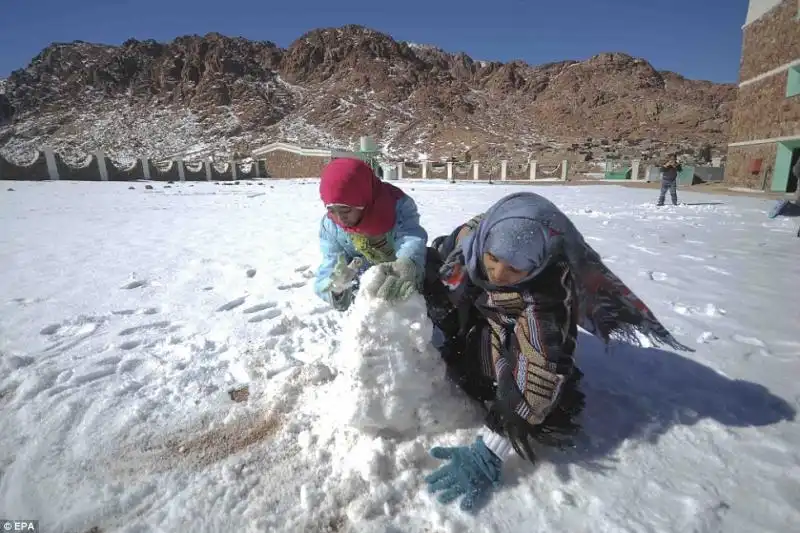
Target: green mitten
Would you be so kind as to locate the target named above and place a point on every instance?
(399, 282)
(343, 275)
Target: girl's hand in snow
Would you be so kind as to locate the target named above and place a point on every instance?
(472, 472)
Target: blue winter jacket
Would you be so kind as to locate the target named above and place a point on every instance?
(409, 237)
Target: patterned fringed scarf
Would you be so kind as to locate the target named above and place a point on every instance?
(607, 307)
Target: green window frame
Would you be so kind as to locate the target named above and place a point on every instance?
(793, 81)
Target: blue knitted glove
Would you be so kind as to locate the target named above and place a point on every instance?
(473, 471)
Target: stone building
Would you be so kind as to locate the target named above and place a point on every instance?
(765, 129)
(283, 160)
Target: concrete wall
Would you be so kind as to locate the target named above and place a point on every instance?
(285, 164)
(165, 172)
(89, 172)
(221, 172)
(131, 173)
(97, 167)
(194, 171)
(35, 170)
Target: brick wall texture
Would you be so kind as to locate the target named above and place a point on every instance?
(771, 41)
(737, 172)
(762, 110)
(283, 164)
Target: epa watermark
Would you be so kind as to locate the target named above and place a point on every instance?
(30, 526)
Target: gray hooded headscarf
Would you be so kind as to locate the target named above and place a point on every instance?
(530, 233)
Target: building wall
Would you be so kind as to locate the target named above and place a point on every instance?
(284, 164)
(763, 113)
(758, 8)
(771, 41)
(737, 172)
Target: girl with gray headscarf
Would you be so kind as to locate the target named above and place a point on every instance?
(507, 291)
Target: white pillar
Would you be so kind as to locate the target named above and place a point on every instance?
(475, 170)
(208, 170)
(503, 170)
(450, 171)
(145, 168)
(424, 170)
(400, 166)
(52, 168)
(101, 165)
(181, 170)
(233, 168)
(532, 170)
(564, 169)
(635, 170)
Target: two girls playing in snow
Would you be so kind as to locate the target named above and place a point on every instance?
(506, 291)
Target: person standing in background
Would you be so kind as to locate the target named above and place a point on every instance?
(669, 181)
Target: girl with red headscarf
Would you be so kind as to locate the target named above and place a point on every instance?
(368, 222)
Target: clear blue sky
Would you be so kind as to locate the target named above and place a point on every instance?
(700, 39)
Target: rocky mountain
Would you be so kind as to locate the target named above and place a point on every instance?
(214, 95)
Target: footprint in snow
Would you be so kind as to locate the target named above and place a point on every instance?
(130, 345)
(153, 326)
(134, 284)
(27, 301)
(288, 286)
(50, 330)
(233, 304)
(71, 332)
(272, 313)
(306, 271)
(129, 312)
(260, 307)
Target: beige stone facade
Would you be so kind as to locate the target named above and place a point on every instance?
(771, 41)
(285, 164)
(737, 168)
(763, 111)
(765, 126)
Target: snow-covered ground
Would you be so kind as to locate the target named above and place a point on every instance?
(128, 316)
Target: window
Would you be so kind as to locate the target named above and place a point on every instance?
(793, 82)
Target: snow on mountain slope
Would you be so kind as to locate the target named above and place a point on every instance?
(333, 85)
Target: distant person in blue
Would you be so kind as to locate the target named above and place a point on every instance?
(669, 181)
(368, 222)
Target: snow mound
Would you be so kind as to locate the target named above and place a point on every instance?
(391, 378)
